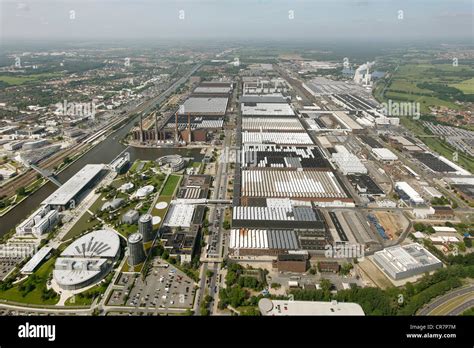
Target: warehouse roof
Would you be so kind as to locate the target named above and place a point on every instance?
(212, 90)
(210, 105)
(270, 109)
(285, 307)
(36, 259)
(73, 186)
(263, 239)
(266, 98)
(180, 215)
(384, 154)
(402, 258)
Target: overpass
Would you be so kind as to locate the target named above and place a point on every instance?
(47, 174)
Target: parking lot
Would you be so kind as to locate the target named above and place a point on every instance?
(7, 264)
(165, 287)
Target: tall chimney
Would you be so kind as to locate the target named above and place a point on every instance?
(189, 127)
(176, 127)
(156, 128)
(141, 129)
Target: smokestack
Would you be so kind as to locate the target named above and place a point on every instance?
(189, 126)
(141, 128)
(156, 128)
(176, 127)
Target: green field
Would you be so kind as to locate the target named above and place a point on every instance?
(22, 79)
(404, 85)
(466, 86)
(39, 283)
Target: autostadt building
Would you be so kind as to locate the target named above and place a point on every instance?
(87, 260)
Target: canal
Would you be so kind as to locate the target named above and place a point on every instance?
(104, 152)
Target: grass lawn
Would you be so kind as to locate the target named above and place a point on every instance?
(170, 185)
(126, 229)
(161, 212)
(34, 296)
(81, 225)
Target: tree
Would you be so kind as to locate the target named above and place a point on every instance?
(21, 191)
(325, 285)
(419, 226)
(346, 268)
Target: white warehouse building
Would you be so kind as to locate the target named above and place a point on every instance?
(347, 162)
(406, 261)
(408, 193)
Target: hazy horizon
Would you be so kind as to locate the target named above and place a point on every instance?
(277, 20)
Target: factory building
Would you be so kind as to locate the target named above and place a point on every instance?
(266, 109)
(268, 124)
(277, 217)
(136, 251)
(408, 193)
(262, 241)
(347, 162)
(281, 156)
(295, 262)
(69, 194)
(304, 185)
(400, 262)
(287, 138)
(384, 155)
(206, 106)
(269, 307)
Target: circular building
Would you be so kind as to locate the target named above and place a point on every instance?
(136, 252)
(145, 227)
(87, 260)
(174, 162)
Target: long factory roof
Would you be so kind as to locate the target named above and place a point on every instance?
(73, 186)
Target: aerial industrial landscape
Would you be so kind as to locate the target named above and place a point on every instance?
(236, 179)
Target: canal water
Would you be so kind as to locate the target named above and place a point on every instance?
(104, 152)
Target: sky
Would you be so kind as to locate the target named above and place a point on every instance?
(237, 19)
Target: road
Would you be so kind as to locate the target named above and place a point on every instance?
(466, 293)
(212, 261)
